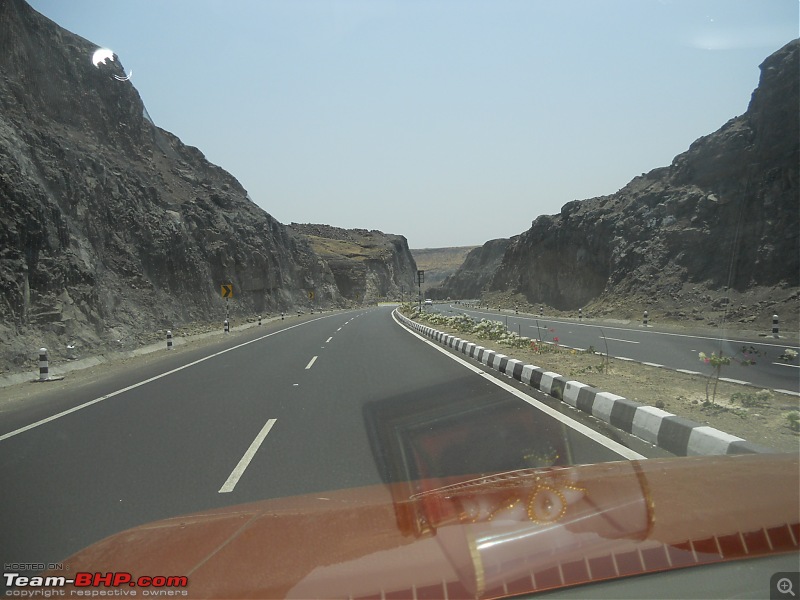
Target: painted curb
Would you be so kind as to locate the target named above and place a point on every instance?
(670, 432)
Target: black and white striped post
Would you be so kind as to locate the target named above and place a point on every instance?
(44, 371)
(580, 314)
(644, 319)
(227, 327)
(282, 315)
(541, 310)
(169, 340)
(775, 326)
(259, 320)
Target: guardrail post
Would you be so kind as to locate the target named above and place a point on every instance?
(44, 371)
(169, 340)
(775, 326)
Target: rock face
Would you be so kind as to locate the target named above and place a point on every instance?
(721, 219)
(112, 229)
(367, 266)
(439, 263)
(475, 274)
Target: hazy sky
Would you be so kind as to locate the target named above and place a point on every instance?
(450, 122)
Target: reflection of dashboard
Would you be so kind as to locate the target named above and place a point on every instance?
(736, 518)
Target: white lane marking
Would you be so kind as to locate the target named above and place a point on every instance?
(579, 427)
(136, 385)
(735, 381)
(688, 372)
(311, 362)
(329, 339)
(790, 392)
(619, 340)
(624, 358)
(785, 365)
(238, 470)
(649, 364)
(339, 329)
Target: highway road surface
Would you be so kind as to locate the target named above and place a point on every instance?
(311, 404)
(672, 349)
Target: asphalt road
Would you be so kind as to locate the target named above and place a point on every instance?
(653, 345)
(326, 402)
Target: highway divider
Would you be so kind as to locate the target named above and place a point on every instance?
(674, 434)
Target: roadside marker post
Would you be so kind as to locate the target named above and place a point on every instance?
(227, 327)
(44, 371)
(169, 340)
(775, 326)
(259, 320)
(644, 320)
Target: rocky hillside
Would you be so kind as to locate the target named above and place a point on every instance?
(439, 263)
(367, 266)
(111, 228)
(714, 234)
(475, 273)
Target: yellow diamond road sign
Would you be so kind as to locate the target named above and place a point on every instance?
(227, 290)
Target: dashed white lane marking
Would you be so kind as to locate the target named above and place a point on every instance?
(329, 339)
(785, 365)
(579, 427)
(735, 381)
(688, 372)
(151, 379)
(311, 362)
(238, 470)
(619, 340)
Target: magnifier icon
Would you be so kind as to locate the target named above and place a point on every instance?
(784, 586)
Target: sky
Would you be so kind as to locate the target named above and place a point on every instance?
(451, 122)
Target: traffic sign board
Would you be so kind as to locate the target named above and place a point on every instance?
(311, 295)
(227, 290)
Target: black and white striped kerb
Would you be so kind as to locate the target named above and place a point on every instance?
(44, 370)
(666, 430)
(169, 340)
(774, 326)
(227, 327)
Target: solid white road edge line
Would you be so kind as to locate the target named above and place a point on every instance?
(238, 470)
(11, 434)
(579, 427)
(310, 363)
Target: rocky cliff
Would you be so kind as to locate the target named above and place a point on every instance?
(719, 226)
(367, 266)
(111, 229)
(475, 274)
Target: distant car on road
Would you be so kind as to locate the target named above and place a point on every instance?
(428, 302)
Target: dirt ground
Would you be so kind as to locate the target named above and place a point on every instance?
(758, 420)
